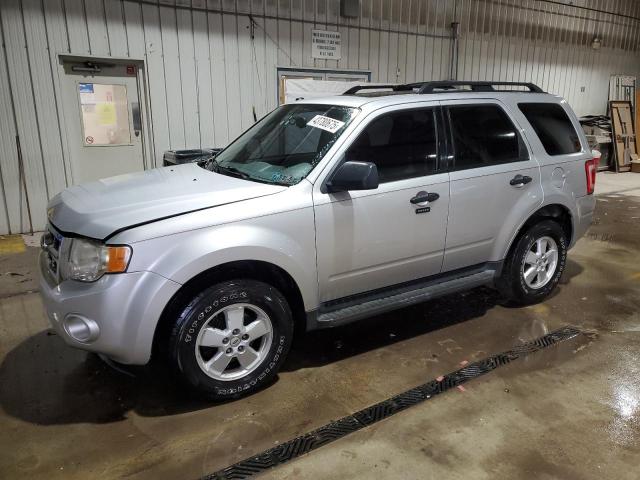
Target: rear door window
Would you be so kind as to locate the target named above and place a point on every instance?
(553, 127)
(401, 144)
(483, 135)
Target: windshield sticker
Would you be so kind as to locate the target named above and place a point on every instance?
(325, 123)
(281, 178)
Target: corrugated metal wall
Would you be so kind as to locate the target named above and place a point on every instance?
(211, 63)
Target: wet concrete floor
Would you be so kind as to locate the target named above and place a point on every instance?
(568, 411)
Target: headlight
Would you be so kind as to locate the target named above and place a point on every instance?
(89, 260)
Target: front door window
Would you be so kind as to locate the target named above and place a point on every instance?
(401, 144)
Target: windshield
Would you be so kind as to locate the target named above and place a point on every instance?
(284, 146)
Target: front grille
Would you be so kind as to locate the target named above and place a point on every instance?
(52, 243)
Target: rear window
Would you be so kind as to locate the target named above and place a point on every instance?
(553, 127)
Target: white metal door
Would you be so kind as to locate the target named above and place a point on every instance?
(102, 120)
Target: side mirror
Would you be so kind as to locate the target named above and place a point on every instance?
(354, 176)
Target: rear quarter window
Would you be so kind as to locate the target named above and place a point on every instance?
(553, 127)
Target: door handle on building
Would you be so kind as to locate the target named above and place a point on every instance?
(137, 120)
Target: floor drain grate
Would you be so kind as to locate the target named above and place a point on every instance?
(292, 449)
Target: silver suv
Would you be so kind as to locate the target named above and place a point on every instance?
(324, 212)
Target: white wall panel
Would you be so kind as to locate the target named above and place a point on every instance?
(204, 114)
(134, 28)
(549, 44)
(172, 76)
(155, 77)
(232, 75)
(44, 97)
(218, 80)
(97, 27)
(270, 59)
(76, 22)
(309, 15)
(12, 212)
(258, 70)
(210, 64)
(116, 32)
(246, 73)
(187, 74)
(58, 43)
(28, 128)
(296, 35)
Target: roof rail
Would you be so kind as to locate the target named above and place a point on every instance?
(395, 87)
(446, 86)
(482, 86)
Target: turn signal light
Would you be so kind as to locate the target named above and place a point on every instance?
(590, 167)
(117, 259)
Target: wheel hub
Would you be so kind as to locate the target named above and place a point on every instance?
(234, 341)
(540, 262)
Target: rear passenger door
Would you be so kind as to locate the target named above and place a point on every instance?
(495, 182)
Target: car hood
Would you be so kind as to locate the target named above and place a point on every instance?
(99, 209)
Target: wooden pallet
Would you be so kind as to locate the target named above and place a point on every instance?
(635, 165)
(624, 134)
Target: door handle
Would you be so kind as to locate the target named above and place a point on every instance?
(520, 180)
(422, 197)
(137, 120)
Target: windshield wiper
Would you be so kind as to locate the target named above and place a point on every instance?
(211, 164)
(214, 166)
(233, 171)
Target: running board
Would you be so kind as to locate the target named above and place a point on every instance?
(395, 298)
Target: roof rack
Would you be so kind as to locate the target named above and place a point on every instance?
(395, 87)
(482, 86)
(445, 86)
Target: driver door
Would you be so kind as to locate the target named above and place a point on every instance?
(371, 239)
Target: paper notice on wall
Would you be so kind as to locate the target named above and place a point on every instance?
(325, 44)
(85, 87)
(106, 113)
(325, 123)
(105, 116)
(87, 98)
(87, 94)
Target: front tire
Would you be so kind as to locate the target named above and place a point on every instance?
(232, 338)
(535, 264)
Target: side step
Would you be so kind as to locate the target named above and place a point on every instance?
(401, 297)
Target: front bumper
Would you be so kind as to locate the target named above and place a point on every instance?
(124, 308)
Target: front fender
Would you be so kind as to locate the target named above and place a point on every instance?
(286, 240)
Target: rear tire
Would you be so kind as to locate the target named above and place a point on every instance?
(535, 264)
(232, 338)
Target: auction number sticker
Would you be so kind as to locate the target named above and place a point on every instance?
(326, 123)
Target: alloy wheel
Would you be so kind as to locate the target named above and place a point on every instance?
(540, 262)
(234, 341)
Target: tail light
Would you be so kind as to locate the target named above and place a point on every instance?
(590, 168)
